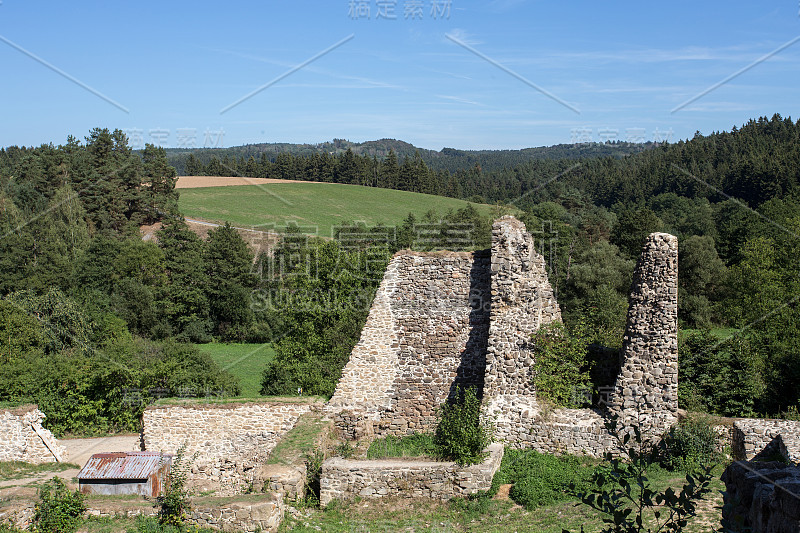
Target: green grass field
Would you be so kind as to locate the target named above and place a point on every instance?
(319, 205)
(245, 361)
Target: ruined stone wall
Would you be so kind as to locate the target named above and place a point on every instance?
(558, 431)
(367, 385)
(426, 333)
(231, 440)
(262, 513)
(751, 436)
(762, 496)
(522, 302)
(22, 437)
(445, 319)
(345, 479)
(646, 389)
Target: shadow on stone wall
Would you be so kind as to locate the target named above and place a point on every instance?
(471, 370)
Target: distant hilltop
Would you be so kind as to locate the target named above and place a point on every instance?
(450, 159)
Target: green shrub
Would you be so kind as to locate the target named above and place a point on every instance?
(561, 368)
(59, 510)
(345, 450)
(688, 445)
(461, 435)
(541, 479)
(414, 445)
(621, 490)
(313, 488)
(173, 502)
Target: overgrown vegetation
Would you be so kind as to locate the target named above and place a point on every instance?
(174, 501)
(461, 434)
(59, 509)
(561, 368)
(622, 492)
(414, 445)
(540, 479)
(689, 445)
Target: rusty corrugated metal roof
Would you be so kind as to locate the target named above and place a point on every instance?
(123, 465)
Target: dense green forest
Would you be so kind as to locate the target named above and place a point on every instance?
(95, 322)
(236, 159)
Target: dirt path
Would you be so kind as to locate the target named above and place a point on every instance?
(78, 452)
(192, 182)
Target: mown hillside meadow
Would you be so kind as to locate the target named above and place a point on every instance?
(312, 205)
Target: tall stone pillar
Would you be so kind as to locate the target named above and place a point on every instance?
(522, 301)
(646, 390)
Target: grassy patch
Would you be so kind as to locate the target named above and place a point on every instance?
(540, 479)
(19, 470)
(245, 361)
(300, 440)
(721, 333)
(416, 445)
(235, 401)
(320, 205)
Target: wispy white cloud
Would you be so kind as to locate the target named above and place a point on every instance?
(458, 99)
(721, 107)
(463, 36)
(738, 53)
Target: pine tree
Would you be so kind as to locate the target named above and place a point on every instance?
(184, 301)
(228, 266)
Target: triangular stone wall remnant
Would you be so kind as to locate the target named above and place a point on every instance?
(425, 334)
(22, 437)
(646, 390)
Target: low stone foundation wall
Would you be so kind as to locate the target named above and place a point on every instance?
(251, 516)
(22, 437)
(345, 479)
(288, 480)
(230, 440)
(257, 516)
(751, 436)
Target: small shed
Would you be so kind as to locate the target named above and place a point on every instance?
(118, 473)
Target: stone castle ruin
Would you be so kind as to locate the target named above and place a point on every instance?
(447, 319)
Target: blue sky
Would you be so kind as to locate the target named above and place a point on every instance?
(493, 74)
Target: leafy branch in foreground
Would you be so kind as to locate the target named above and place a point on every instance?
(622, 493)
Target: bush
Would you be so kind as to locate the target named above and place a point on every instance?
(313, 487)
(621, 491)
(460, 435)
(690, 444)
(541, 479)
(173, 502)
(59, 510)
(561, 368)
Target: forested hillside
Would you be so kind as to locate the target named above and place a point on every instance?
(237, 158)
(95, 322)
